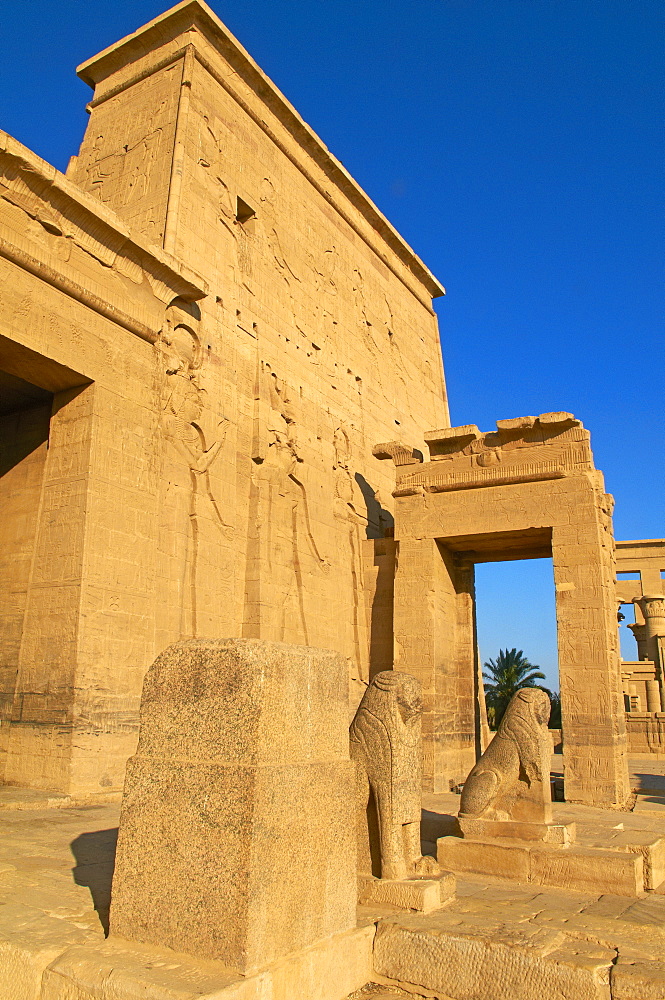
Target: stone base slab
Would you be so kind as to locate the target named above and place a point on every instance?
(423, 954)
(421, 894)
(584, 868)
(546, 833)
(32, 799)
(123, 970)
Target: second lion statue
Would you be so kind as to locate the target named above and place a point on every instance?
(385, 744)
(511, 781)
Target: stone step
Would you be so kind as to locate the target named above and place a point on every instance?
(587, 869)
(479, 961)
(422, 894)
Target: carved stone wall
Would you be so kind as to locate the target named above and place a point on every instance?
(83, 305)
(227, 325)
(317, 338)
(23, 447)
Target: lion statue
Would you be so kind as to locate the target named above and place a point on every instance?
(511, 779)
(385, 746)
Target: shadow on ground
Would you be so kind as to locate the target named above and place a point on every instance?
(95, 861)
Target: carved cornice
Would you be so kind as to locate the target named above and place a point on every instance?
(67, 217)
(521, 450)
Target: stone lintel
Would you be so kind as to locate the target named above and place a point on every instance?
(559, 419)
(640, 547)
(515, 424)
(518, 432)
(451, 439)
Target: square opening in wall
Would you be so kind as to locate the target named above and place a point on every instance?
(244, 213)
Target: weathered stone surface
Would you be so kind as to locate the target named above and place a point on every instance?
(29, 941)
(587, 869)
(491, 961)
(505, 859)
(242, 768)
(122, 970)
(550, 833)
(39, 891)
(638, 979)
(572, 867)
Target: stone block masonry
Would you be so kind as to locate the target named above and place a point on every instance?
(218, 324)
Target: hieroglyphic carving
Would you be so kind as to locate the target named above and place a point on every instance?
(182, 407)
(354, 525)
(54, 232)
(210, 161)
(125, 161)
(366, 325)
(287, 522)
(120, 175)
(322, 264)
(286, 271)
(184, 400)
(344, 484)
(134, 161)
(385, 744)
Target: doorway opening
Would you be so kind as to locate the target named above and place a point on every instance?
(515, 610)
(25, 413)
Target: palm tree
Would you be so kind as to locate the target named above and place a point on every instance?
(510, 672)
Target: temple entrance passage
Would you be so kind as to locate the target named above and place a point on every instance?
(38, 530)
(528, 490)
(25, 413)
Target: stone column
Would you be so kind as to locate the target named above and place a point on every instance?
(88, 633)
(653, 609)
(468, 659)
(653, 696)
(40, 737)
(640, 639)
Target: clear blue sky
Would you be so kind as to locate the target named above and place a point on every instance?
(518, 146)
